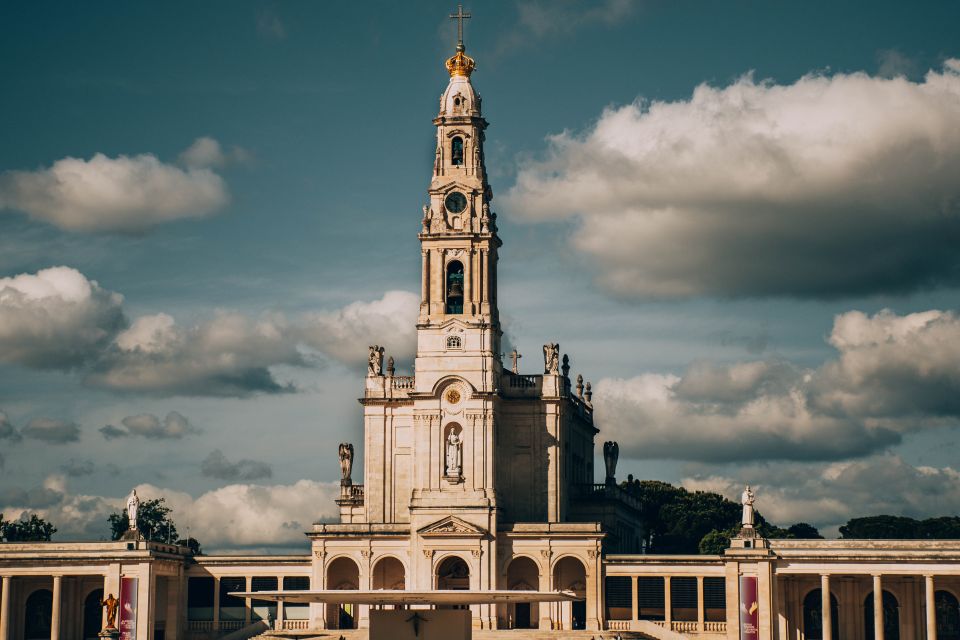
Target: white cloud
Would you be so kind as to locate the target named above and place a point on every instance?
(236, 515)
(893, 375)
(216, 465)
(205, 153)
(832, 185)
(346, 333)
(174, 427)
(51, 431)
(56, 318)
(229, 355)
(827, 495)
(126, 193)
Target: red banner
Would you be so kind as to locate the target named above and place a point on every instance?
(749, 609)
(128, 609)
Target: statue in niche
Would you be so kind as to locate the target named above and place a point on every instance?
(551, 358)
(611, 453)
(133, 507)
(747, 501)
(454, 455)
(375, 361)
(346, 462)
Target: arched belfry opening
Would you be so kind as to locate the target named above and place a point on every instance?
(456, 150)
(455, 287)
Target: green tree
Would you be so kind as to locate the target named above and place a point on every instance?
(881, 528)
(154, 523)
(804, 531)
(33, 529)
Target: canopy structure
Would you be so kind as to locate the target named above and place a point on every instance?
(386, 597)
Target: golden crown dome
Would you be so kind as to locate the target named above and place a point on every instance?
(461, 64)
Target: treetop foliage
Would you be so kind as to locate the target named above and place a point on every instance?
(32, 529)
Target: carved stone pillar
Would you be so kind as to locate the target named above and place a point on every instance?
(57, 606)
(877, 608)
(931, 612)
(826, 612)
(5, 608)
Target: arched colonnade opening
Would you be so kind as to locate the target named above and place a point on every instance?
(570, 574)
(523, 575)
(344, 574)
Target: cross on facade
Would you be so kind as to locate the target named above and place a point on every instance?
(417, 619)
(515, 356)
(459, 16)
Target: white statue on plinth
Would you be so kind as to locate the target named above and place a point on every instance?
(747, 501)
(454, 457)
(133, 506)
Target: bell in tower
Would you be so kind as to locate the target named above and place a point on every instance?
(455, 287)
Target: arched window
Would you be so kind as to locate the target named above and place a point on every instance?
(454, 342)
(456, 150)
(948, 615)
(37, 615)
(455, 287)
(891, 616)
(453, 573)
(813, 616)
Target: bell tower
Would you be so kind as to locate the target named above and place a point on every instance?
(458, 325)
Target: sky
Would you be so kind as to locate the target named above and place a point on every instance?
(739, 219)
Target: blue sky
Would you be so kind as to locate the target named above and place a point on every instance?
(694, 198)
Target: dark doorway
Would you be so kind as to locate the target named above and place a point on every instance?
(580, 614)
(948, 616)
(92, 615)
(521, 618)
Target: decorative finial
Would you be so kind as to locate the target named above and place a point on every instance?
(588, 394)
(566, 366)
(580, 386)
(391, 369)
(460, 64)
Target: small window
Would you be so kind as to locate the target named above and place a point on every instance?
(453, 342)
(456, 151)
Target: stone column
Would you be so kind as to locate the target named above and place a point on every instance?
(545, 608)
(826, 613)
(468, 282)
(781, 585)
(280, 611)
(57, 602)
(425, 279)
(5, 608)
(700, 607)
(877, 608)
(248, 602)
(667, 606)
(931, 612)
(634, 598)
(216, 603)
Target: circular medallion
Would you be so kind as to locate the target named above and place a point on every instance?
(455, 202)
(453, 396)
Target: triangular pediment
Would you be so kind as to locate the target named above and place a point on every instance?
(453, 527)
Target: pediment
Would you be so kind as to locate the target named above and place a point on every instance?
(451, 527)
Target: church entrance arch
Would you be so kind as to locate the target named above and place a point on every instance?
(92, 615)
(342, 573)
(38, 615)
(570, 574)
(523, 575)
(453, 573)
(388, 573)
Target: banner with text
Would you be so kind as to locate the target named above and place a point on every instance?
(128, 609)
(749, 609)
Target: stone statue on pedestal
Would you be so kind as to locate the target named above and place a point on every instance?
(611, 453)
(111, 604)
(375, 361)
(747, 500)
(551, 358)
(454, 457)
(133, 506)
(346, 463)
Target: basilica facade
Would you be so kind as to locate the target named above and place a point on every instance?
(478, 477)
